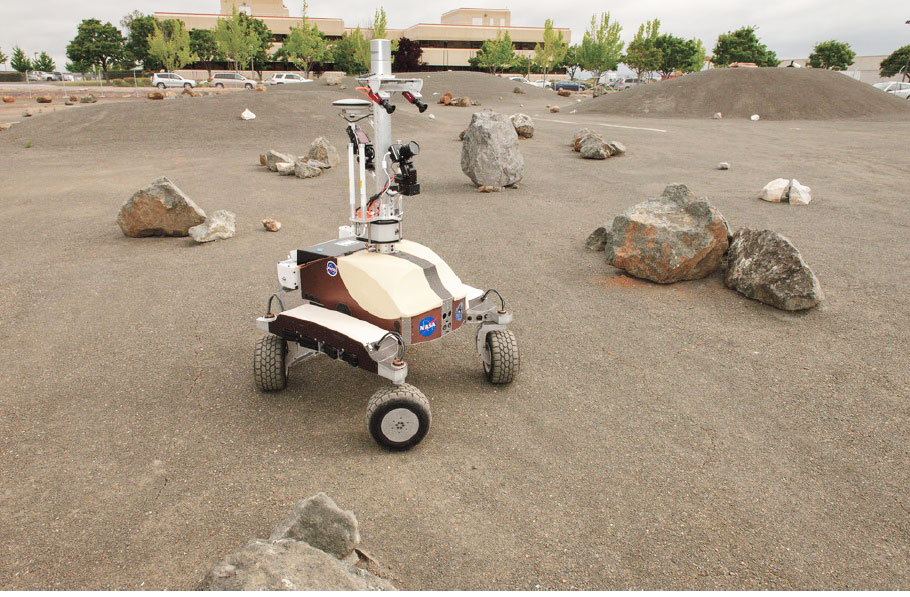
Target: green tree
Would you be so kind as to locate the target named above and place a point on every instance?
(407, 57)
(3, 57)
(136, 48)
(643, 55)
(261, 42)
(78, 67)
(96, 44)
(305, 46)
(897, 62)
(44, 63)
(742, 45)
(524, 65)
(601, 47)
(571, 61)
(495, 54)
(378, 30)
(170, 44)
(698, 59)
(351, 53)
(833, 55)
(678, 54)
(550, 55)
(20, 61)
(203, 46)
(234, 39)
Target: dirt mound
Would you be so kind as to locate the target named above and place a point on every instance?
(773, 93)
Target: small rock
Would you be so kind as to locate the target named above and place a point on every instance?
(524, 126)
(306, 170)
(765, 266)
(73, 99)
(486, 189)
(67, 102)
(462, 102)
(272, 159)
(333, 79)
(755, 117)
(5, 126)
(775, 191)
(218, 226)
(564, 93)
(155, 95)
(554, 109)
(160, 209)
(317, 163)
(432, 117)
(594, 148)
(88, 99)
(798, 194)
(247, 115)
(579, 135)
(271, 224)
(319, 522)
(446, 98)
(8, 99)
(44, 99)
(717, 116)
(597, 240)
(285, 168)
(723, 166)
(616, 148)
(323, 151)
(190, 92)
(27, 114)
(262, 160)
(519, 91)
(261, 88)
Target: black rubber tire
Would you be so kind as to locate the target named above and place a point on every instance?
(505, 359)
(386, 400)
(187, 86)
(249, 87)
(219, 85)
(161, 86)
(268, 364)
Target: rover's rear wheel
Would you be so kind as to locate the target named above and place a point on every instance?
(399, 417)
(502, 360)
(269, 370)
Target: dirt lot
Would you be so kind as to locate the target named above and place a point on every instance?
(658, 437)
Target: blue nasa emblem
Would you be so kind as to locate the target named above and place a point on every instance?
(427, 326)
(459, 312)
(331, 269)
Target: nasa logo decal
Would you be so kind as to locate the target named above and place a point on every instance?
(427, 326)
(331, 269)
(459, 312)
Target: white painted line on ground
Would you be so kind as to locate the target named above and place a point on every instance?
(616, 126)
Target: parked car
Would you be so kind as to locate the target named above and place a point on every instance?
(34, 76)
(570, 85)
(222, 80)
(164, 80)
(519, 79)
(282, 78)
(901, 90)
(626, 83)
(543, 84)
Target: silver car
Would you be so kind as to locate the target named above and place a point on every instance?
(222, 80)
(165, 80)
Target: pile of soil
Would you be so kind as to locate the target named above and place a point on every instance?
(773, 93)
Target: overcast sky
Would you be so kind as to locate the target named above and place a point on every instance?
(789, 27)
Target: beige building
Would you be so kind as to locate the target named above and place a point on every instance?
(447, 44)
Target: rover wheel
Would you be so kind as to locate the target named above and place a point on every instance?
(501, 352)
(399, 417)
(268, 364)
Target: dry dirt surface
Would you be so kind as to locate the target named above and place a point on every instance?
(668, 437)
(772, 93)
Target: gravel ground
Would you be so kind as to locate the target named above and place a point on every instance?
(668, 437)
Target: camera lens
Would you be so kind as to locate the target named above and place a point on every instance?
(410, 150)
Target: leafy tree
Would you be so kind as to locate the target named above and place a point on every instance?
(742, 45)
(305, 45)
(3, 57)
(126, 23)
(78, 67)
(571, 61)
(96, 44)
(407, 57)
(352, 53)
(553, 51)
(170, 44)
(643, 55)
(203, 46)
(601, 47)
(20, 61)
(833, 55)
(136, 48)
(897, 62)
(496, 54)
(698, 60)
(378, 30)
(524, 65)
(261, 42)
(678, 54)
(44, 63)
(234, 40)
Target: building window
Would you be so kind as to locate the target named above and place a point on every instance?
(502, 22)
(477, 21)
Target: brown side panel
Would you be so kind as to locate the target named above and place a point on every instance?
(426, 326)
(318, 286)
(295, 329)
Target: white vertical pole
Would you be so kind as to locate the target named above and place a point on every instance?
(381, 65)
(351, 177)
(363, 178)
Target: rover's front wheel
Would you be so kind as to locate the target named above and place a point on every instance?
(501, 359)
(269, 371)
(399, 417)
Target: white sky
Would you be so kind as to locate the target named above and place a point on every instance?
(789, 27)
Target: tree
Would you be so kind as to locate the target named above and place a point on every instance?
(833, 55)
(20, 61)
(698, 60)
(234, 40)
(897, 62)
(261, 42)
(170, 44)
(96, 44)
(203, 46)
(495, 54)
(126, 23)
(378, 30)
(524, 65)
(643, 55)
(305, 46)
(601, 47)
(742, 45)
(407, 57)
(136, 48)
(553, 51)
(351, 53)
(571, 61)
(78, 67)
(3, 57)
(678, 54)
(44, 63)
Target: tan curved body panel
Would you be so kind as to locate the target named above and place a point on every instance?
(391, 287)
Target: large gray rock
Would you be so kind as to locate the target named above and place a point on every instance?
(490, 156)
(765, 266)
(674, 237)
(160, 209)
(524, 126)
(273, 158)
(321, 523)
(307, 170)
(288, 565)
(220, 225)
(594, 148)
(578, 136)
(323, 151)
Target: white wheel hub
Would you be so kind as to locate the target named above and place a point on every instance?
(400, 424)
